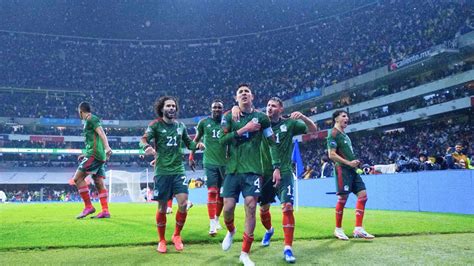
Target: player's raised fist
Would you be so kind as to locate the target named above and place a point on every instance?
(80, 157)
(150, 151)
(200, 146)
(296, 115)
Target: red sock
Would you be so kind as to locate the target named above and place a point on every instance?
(220, 204)
(360, 207)
(161, 224)
(266, 218)
(170, 203)
(84, 191)
(341, 202)
(288, 223)
(212, 202)
(247, 243)
(230, 225)
(180, 220)
(103, 200)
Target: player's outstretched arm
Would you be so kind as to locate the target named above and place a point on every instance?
(312, 127)
(103, 137)
(189, 143)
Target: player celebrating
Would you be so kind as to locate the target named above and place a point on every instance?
(92, 162)
(347, 180)
(244, 167)
(214, 162)
(284, 129)
(169, 136)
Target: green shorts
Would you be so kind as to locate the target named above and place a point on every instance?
(234, 184)
(285, 191)
(168, 185)
(347, 181)
(268, 191)
(215, 175)
(92, 166)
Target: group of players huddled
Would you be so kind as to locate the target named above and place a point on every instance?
(245, 152)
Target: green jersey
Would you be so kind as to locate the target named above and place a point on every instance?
(211, 131)
(284, 130)
(169, 140)
(244, 150)
(340, 142)
(94, 144)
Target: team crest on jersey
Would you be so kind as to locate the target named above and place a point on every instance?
(346, 188)
(180, 131)
(223, 122)
(255, 120)
(163, 131)
(283, 128)
(208, 125)
(149, 130)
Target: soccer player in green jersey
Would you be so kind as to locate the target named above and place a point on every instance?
(169, 138)
(214, 162)
(92, 162)
(284, 129)
(347, 180)
(244, 168)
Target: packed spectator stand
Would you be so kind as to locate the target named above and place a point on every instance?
(122, 79)
(44, 76)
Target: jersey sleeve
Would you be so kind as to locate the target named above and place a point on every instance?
(200, 130)
(299, 128)
(266, 126)
(332, 143)
(190, 144)
(226, 124)
(94, 122)
(148, 136)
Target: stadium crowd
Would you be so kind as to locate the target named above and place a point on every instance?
(411, 148)
(122, 79)
(358, 96)
(35, 193)
(403, 147)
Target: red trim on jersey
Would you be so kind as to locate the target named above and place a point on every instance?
(334, 132)
(88, 162)
(94, 147)
(340, 182)
(159, 119)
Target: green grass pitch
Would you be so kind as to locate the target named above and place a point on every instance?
(49, 234)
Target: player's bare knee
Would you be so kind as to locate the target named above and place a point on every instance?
(264, 208)
(362, 197)
(362, 194)
(287, 207)
(78, 180)
(182, 205)
(99, 185)
(342, 197)
(162, 206)
(251, 203)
